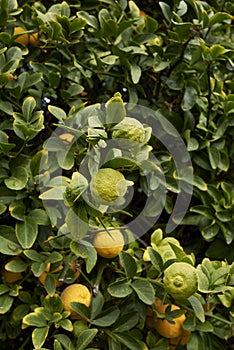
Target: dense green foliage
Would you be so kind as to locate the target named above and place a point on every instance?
(172, 58)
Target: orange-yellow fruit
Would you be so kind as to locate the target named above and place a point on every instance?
(22, 39)
(33, 39)
(67, 138)
(165, 328)
(73, 267)
(108, 245)
(181, 340)
(26, 39)
(75, 293)
(44, 274)
(9, 276)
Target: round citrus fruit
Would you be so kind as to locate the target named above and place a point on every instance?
(108, 245)
(67, 138)
(58, 283)
(109, 184)
(163, 326)
(75, 293)
(33, 39)
(10, 276)
(129, 128)
(44, 274)
(181, 340)
(180, 280)
(22, 39)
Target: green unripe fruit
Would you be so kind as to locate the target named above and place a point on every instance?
(180, 280)
(108, 184)
(129, 128)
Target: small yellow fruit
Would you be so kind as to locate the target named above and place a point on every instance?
(181, 340)
(75, 293)
(165, 328)
(26, 39)
(9, 276)
(58, 283)
(67, 138)
(44, 274)
(108, 245)
(33, 40)
(22, 39)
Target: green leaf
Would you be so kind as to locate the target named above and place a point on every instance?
(5, 303)
(97, 304)
(57, 112)
(155, 259)
(128, 263)
(190, 96)
(107, 317)
(77, 223)
(219, 17)
(18, 179)
(85, 338)
(166, 10)
(126, 322)
(129, 341)
(87, 251)
(120, 288)
(144, 290)
(135, 73)
(28, 107)
(26, 232)
(39, 336)
(90, 19)
(9, 244)
(197, 308)
(36, 319)
(16, 265)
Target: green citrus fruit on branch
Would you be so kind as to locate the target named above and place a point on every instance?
(108, 244)
(180, 280)
(109, 184)
(129, 128)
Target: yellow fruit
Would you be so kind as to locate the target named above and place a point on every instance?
(24, 38)
(67, 138)
(181, 340)
(33, 40)
(129, 128)
(75, 293)
(9, 276)
(58, 283)
(164, 327)
(180, 280)
(44, 274)
(108, 245)
(109, 184)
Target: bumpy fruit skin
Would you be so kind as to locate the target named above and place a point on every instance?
(129, 128)
(108, 246)
(75, 293)
(165, 328)
(9, 276)
(109, 184)
(180, 280)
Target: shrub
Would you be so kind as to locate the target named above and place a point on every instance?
(66, 89)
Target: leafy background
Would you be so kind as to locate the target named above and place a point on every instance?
(175, 57)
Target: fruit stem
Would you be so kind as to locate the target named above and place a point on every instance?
(96, 284)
